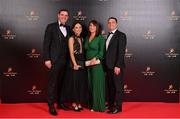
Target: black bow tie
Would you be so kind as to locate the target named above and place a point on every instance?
(109, 34)
(62, 25)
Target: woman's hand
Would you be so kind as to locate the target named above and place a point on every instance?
(76, 67)
(93, 61)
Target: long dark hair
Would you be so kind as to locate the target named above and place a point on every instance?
(73, 25)
(98, 28)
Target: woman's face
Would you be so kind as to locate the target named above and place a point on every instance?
(77, 29)
(92, 28)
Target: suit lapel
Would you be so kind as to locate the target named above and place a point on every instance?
(59, 31)
(68, 31)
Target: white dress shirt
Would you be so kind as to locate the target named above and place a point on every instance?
(109, 38)
(63, 29)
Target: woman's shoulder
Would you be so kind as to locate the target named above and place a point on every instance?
(100, 36)
(71, 39)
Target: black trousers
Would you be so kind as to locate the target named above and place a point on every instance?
(55, 82)
(114, 88)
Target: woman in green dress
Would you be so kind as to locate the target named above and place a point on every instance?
(95, 46)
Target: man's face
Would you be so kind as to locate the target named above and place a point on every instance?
(63, 17)
(112, 24)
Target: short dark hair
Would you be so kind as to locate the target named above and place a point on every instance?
(63, 10)
(98, 27)
(113, 18)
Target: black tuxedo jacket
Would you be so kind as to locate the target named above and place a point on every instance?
(114, 56)
(55, 44)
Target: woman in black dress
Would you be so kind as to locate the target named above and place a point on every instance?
(75, 87)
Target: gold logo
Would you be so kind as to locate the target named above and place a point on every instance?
(33, 53)
(32, 13)
(79, 13)
(34, 90)
(171, 53)
(126, 89)
(79, 16)
(173, 13)
(32, 16)
(10, 72)
(8, 35)
(9, 69)
(104, 34)
(173, 16)
(125, 16)
(128, 54)
(170, 90)
(149, 35)
(148, 71)
(8, 32)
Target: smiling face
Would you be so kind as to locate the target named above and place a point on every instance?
(112, 24)
(77, 29)
(92, 28)
(63, 16)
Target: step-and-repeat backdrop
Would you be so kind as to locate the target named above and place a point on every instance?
(152, 55)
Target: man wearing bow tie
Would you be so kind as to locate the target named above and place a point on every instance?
(115, 65)
(55, 52)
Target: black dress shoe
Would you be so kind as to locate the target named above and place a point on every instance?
(81, 108)
(52, 111)
(114, 111)
(62, 106)
(108, 107)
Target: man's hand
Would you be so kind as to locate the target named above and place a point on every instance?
(48, 64)
(117, 70)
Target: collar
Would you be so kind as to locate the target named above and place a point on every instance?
(114, 31)
(59, 22)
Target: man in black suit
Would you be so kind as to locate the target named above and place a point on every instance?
(115, 65)
(55, 53)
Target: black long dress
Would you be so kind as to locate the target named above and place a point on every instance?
(75, 86)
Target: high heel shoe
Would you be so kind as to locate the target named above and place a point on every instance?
(80, 107)
(75, 108)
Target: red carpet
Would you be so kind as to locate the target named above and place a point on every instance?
(130, 110)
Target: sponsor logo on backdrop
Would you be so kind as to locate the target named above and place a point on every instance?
(103, 32)
(148, 71)
(149, 35)
(128, 54)
(171, 53)
(34, 90)
(10, 72)
(8, 35)
(173, 16)
(32, 16)
(125, 16)
(33, 54)
(79, 16)
(127, 90)
(170, 90)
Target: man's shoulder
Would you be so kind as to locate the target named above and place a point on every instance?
(52, 24)
(120, 32)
